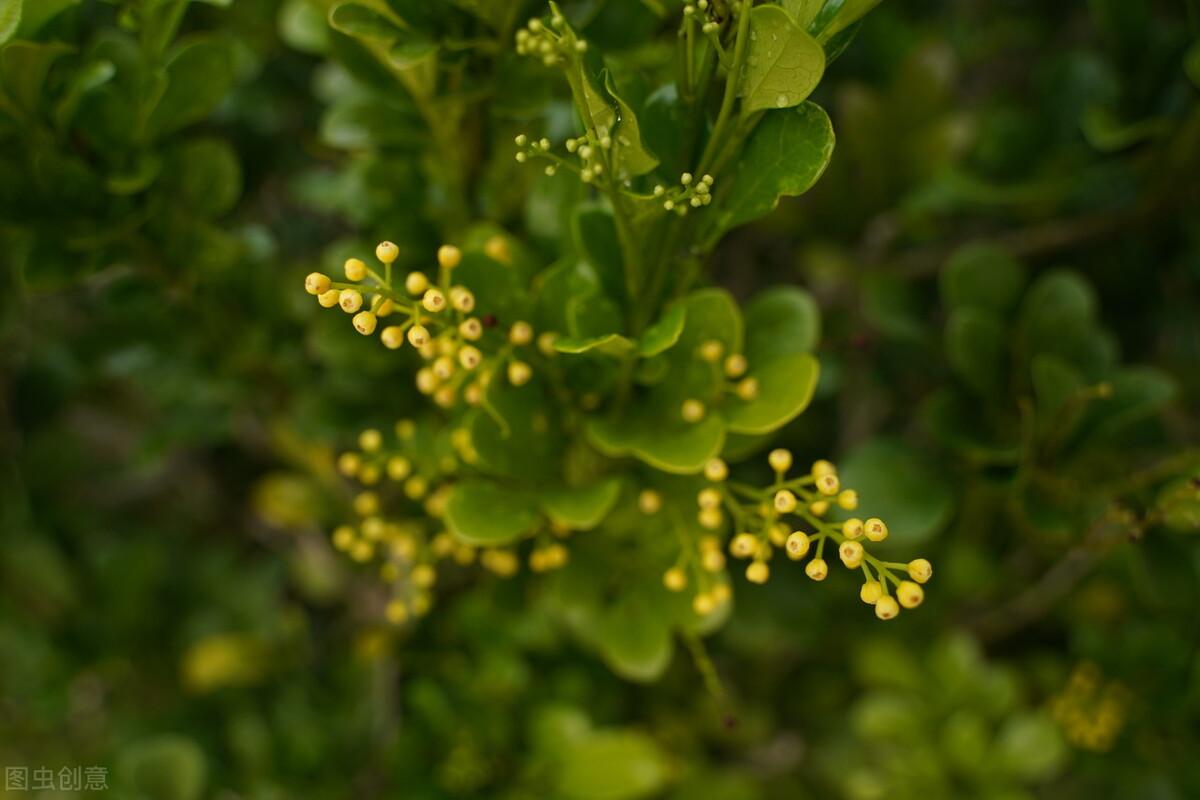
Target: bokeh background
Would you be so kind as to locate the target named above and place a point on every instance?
(1011, 213)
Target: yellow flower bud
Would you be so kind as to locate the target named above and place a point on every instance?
(713, 560)
(819, 507)
(909, 594)
(443, 368)
(735, 366)
(470, 329)
(780, 460)
(704, 604)
(387, 252)
(870, 592)
(317, 283)
(675, 579)
(711, 351)
(828, 485)
(372, 529)
(392, 337)
(396, 612)
(433, 300)
(349, 464)
(423, 576)
(743, 545)
(416, 283)
(886, 607)
(817, 569)
(473, 394)
(875, 529)
(519, 373)
(383, 306)
(747, 389)
(462, 299)
(449, 256)
(649, 501)
(797, 545)
(715, 470)
(350, 301)
(416, 487)
(692, 410)
(778, 533)
(418, 336)
(330, 298)
(343, 537)
(427, 382)
(823, 467)
(920, 570)
(362, 551)
(366, 503)
(709, 498)
(356, 270)
(521, 333)
(469, 357)
(497, 249)
(851, 554)
(370, 440)
(710, 518)
(545, 344)
(364, 323)
(721, 593)
(785, 501)
(847, 499)
(445, 396)
(758, 572)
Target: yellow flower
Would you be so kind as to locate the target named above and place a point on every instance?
(704, 604)
(785, 501)
(418, 336)
(399, 468)
(817, 569)
(349, 464)
(330, 298)
(780, 460)
(743, 545)
(797, 545)
(521, 333)
(396, 612)
(387, 252)
(711, 351)
(416, 283)
(317, 283)
(692, 410)
(675, 579)
(847, 499)
(469, 357)
(462, 299)
(875, 529)
(747, 389)
(710, 518)
(649, 501)
(828, 485)
(870, 592)
(392, 337)
(470, 329)
(370, 440)
(920, 570)
(364, 323)
(735, 366)
(709, 498)
(356, 270)
(758, 572)
(715, 470)
(851, 554)
(909, 594)
(433, 300)
(350, 301)
(449, 256)
(852, 528)
(823, 467)
(886, 607)
(519, 373)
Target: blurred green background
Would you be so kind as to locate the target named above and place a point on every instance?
(1012, 212)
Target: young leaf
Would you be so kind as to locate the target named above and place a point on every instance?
(632, 157)
(785, 155)
(784, 63)
(482, 513)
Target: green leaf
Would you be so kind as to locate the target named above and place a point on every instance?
(411, 50)
(1137, 393)
(610, 765)
(1179, 503)
(785, 388)
(199, 75)
(167, 767)
(676, 447)
(23, 68)
(632, 157)
(977, 349)
(781, 320)
(304, 26)
(847, 14)
(900, 486)
(1030, 747)
(595, 233)
(634, 634)
(984, 276)
(1055, 384)
(205, 176)
(363, 22)
(515, 436)
(86, 79)
(484, 514)
(711, 314)
(610, 344)
(664, 333)
(784, 63)
(10, 18)
(584, 507)
(1191, 63)
(784, 156)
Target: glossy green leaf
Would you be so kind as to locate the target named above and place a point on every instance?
(1030, 747)
(205, 176)
(676, 447)
(610, 765)
(514, 434)
(784, 63)
(848, 13)
(486, 514)
(634, 634)
(900, 486)
(595, 235)
(711, 315)
(303, 25)
(581, 508)
(664, 333)
(632, 157)
(37, 13)
(610, 344)
(199, 75)
(363, 22)
(984, 276)
(10, 18)
(784, 156)
(411, 50)
(1056, 387)
(23, 69)
(977, 349)
(781, 320)
(785, 388)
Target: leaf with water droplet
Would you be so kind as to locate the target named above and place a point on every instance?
(632, 157)
(784, 64)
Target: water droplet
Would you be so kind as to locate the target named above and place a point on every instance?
(781, 101)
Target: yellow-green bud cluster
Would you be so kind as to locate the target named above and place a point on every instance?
(1090, 712)
(731, 370)
(690, 193)
(553, 43)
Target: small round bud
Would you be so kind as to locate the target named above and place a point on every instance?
(392, 337)
(519, 373)
(330, 298)
(785, 501)
(758, 572)
(675, 579)
(497, 249)
(470, 329)
(649, 501)
(817, 569)
(469, 357)
(870, 592)
(797, 545)
(349, 463)
(343, 537)
(747, 389)
(545, 343)
(443, 367)
(387, 252)
(350, 301)
(828, 485)
(823, 467)
(886, 607)
(875, 529)
(316, 283)
(399, 468)
(415, 283)
(396, 612)
(692, 410)
(819, 507)
(685, 178)
(704, 604)
(735, 365)
(743, 545)
(521, 333)
(356, 270)
(709, 498)
(382, 307)
(713, 560)
(715, 470)
(521, 139)
(418, 336)
(364, 323)
(852, 528)
(780, 460)
(710, 518)
(462, 299)
(366, 504)
(847, 499)
(433, 300)
(851, 554)
(920, 570)
(427, 382)
(909, 594)
(711, 351)
(370, 440)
